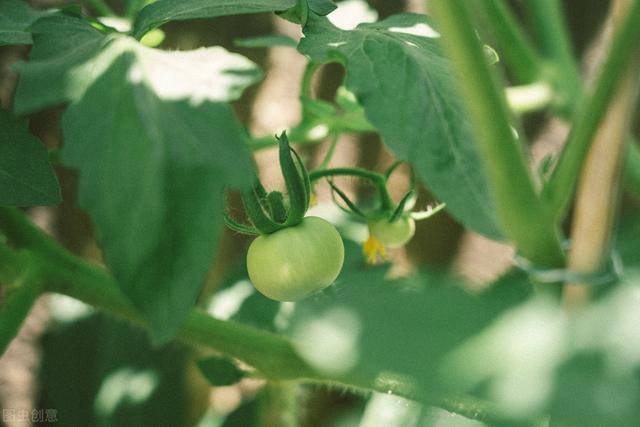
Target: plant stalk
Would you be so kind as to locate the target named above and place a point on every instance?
(560, 188)
(519, 210)
(598, 188)
(272, 355)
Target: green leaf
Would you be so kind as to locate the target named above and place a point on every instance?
(15, 18)
(154, 146)
(69, 55)
(54, 73)
(273, 40)
(152, 172)
(588, 394)
(163, 11)
(398, 73)
(220, 371)
(26, 176)
(97, 371)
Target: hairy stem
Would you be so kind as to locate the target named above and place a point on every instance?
(272, 355)
(519, 210)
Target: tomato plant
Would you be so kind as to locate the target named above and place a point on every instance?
(140, 180)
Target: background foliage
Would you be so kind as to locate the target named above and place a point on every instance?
(148, 137)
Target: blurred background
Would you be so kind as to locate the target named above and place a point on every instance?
(84, 369)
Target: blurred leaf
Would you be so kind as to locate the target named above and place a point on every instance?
(273, 40)
(220, 371)
(99, 372)
(69, 55)
(534, 358)
(164, 11)
(589, 395)
(396, 70)
(15, 18)
(367, 325)
(26, 176)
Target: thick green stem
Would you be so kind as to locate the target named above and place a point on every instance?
(513, 45)
(559, 190)
(519, 210)
(272, 355)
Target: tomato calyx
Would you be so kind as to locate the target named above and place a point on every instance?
(267, 211)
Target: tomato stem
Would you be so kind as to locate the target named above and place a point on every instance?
(379, 180)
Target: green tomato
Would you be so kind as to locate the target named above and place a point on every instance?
(296, 261)
(393, 234)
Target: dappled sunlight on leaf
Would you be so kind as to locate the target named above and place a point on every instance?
(125, 385)
(329, 342)
(351, 13)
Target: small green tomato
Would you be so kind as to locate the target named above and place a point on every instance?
(393, 234)
(296, 261)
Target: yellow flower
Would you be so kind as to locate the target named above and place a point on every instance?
(313, 199)
(373, 250)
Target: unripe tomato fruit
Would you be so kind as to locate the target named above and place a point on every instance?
(296, 261)
(393, 234)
